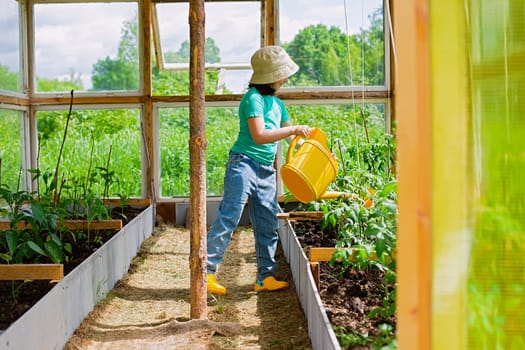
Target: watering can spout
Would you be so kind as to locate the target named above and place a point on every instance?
(310, 169)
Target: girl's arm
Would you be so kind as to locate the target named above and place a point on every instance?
(261, 136)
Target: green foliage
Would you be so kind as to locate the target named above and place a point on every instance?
(385, 341)
(43, 211)
(321, 55)
(211, 53)
(41, 240)
(9, 81)
(365, 221)
(102, 151)
(221, 130)
(121, 73)
(10, 147)
(330, 57)
(168, 83)
(114, 74)
(49, 85)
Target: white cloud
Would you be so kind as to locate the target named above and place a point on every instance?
(9, 47)
(73, 37)
(236, 32)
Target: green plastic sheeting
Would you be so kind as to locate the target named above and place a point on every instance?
(478, 177)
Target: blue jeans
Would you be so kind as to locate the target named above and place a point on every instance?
(246, 180)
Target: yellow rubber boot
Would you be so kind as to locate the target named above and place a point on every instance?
(213, 286)
(270, 284)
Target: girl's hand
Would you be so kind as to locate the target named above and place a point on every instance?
(303, 130)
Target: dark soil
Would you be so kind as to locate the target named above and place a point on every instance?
(16, 297)
(350, 296)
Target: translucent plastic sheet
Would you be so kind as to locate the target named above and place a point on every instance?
(478, 228)
(496, 275)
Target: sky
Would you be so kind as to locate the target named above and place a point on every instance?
(73, 37)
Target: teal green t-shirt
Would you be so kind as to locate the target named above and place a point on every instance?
(255, 105)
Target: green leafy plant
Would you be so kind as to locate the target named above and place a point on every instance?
(364, 222)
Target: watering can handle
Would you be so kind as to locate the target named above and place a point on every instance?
(315, 134)
(291, 147)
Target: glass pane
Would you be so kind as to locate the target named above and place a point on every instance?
(101, 154)
(74, 52)
(354, 132)
(351, 137)
(222, 125)
(9, 46)
(11, 149)
(334, 44)
(232, 35)
(174, 153)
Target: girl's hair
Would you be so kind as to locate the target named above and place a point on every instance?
(263, 89)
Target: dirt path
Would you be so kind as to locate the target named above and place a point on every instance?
(149, 308)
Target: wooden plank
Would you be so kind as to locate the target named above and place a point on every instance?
(325, 254)
(72, 225)
(93, 225)
(321, 254)
(13, 100)
(113, 98)
(31, 272)
(129, 202)
(301, 215)
(122, 98)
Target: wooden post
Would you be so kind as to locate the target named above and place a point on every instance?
(147, 122)
(412, 110)
(197, 146)
(269, 22)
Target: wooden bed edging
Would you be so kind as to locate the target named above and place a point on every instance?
(72, 298)
(301, 215)
(53, 272)
(71, 225)
(322, 335)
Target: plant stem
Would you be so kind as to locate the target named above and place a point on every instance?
(55, 197)
(341, 155)
(364, 126)
(106, 183)
(88, 177)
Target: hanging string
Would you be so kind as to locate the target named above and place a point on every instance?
(356, 136)
(363, 74)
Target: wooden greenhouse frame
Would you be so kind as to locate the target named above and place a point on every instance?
(408, 99)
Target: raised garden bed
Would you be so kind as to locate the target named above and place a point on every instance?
(51, 312)
(336, 304)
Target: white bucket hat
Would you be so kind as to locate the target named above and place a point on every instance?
(271, 64)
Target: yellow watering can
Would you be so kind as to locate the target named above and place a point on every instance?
(309, 170)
